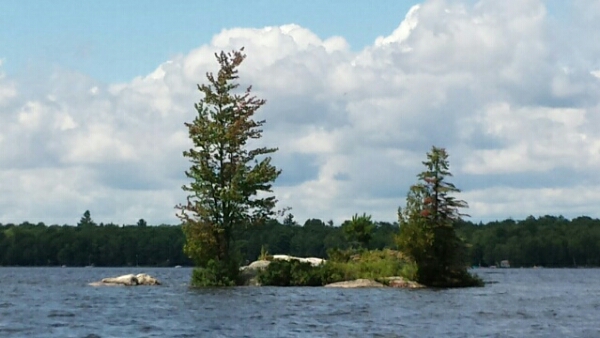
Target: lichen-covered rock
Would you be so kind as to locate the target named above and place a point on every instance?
(357, 283)
(128, 280)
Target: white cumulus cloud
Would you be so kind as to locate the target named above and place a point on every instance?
(515, 105)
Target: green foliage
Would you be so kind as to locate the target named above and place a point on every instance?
(374, 264)
(338, 255)
(264, 254)
(86, 220)
(159, 245)
(427, 231)
(289, 220)
(549, 241)
(347, 265)
(359, 229)
(226, 175)
(409, 271)
(109, 245)
(291, 273)
(216, 273)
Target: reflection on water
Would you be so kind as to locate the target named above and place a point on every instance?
(57, 302)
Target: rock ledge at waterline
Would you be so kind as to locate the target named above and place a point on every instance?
(394, 282)
(128, 280)
(357, 283)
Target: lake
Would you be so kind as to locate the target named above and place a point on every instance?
(57, 302)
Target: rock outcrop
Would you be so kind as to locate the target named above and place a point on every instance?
(312, 260)
(249, 273)
(394, 282)
(400, 282)
(128, 280)
(357, 283)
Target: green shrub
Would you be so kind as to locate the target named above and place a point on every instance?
(409, 271)
(337, 255)
(216, 273)
(291, 273)
(374, 264)
(264, 254)
(343, 265)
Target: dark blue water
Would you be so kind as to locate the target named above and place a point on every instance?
(57, 302)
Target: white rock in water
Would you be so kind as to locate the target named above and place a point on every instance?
(144, 279)
(128, 280)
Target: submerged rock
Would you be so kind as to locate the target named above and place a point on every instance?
(357, 283)
(128, 280)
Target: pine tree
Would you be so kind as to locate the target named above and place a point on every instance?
(427, 232)
(359, 229)
(231, 182)
(86, 220)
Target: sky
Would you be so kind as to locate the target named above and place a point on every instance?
(94, 97)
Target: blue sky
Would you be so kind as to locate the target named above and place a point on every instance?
(93, 97)
(117, 40)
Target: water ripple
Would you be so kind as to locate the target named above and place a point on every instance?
(520, 303)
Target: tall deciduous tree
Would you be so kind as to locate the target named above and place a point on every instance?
(427, 223)
(231, 181)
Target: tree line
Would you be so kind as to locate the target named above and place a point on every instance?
(548, 241)
(29, 244)
(91, 244)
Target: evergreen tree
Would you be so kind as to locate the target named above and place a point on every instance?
(230, 181)
(289, 220)
(86, 220)
(359, 229)
(427, 223)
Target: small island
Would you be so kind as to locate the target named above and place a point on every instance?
(230, 192)
(345, 270)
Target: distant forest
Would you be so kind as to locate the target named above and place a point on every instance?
(546, 241)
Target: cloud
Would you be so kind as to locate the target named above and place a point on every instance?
(515, 104)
